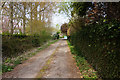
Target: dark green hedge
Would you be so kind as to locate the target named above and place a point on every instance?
(14, 45)
(100, 44)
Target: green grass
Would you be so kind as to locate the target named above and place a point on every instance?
(9, 64)
(85, 69)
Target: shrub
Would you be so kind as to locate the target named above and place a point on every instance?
(15, 45)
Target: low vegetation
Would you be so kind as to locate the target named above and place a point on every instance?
(85, 68)
(9, 63)
(14, 45)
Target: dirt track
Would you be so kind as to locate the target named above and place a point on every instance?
(55, 61)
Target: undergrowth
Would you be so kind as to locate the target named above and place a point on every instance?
(14, 45)
(85, 68)
(10, 63)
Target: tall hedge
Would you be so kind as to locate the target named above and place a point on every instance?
(100, 44)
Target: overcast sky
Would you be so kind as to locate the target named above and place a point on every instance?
(59, 18)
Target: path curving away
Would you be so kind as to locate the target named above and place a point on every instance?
(56, 61)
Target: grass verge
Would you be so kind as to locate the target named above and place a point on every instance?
(85, 68)
(9, 64)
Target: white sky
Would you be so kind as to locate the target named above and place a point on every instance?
(59, 18)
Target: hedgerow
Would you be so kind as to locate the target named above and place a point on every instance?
(15, 45)
(100, 45)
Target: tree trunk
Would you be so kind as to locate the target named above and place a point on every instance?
(24, 18)
(31, 17)
(11, 16)
(35, 13)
